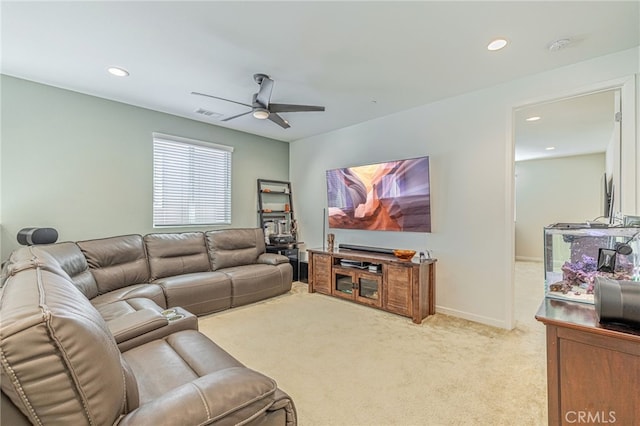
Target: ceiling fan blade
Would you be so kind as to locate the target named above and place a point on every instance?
(293, 108)
(236, 116)
(222, 99)
(278, 120)
(264, 94)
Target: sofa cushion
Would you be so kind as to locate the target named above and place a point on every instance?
(176, 254)
(60, 364)
(180, 358)
(10, 414)
(234, 247)
(251, 283)
(233, 396)
(204, 385)
(152, 292)
(272, 259)
(200, 293)
(116, 262)
(73, 262)
(118, 308)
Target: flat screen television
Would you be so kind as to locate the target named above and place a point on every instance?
(389, 196)
(608, 199)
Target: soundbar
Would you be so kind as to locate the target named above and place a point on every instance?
(366, 248)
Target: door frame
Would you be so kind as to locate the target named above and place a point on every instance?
(629, 161)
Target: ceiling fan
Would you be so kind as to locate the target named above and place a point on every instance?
(261, 107)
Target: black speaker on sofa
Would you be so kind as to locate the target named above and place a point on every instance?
(617, 301)
(31, 236)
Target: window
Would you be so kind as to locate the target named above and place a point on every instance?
(191, 182)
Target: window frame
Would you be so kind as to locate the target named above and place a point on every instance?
(226, 184)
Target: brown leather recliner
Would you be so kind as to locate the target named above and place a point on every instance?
(61, 365)
(179, 263)
(241, 255)
(131, 317)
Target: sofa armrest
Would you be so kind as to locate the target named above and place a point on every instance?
(272, 258)
(235, 394)
(285, 403)
(136, 324)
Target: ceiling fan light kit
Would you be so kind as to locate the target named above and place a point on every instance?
(261, 113)
(261, 106)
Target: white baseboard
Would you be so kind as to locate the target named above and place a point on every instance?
(529, 259)
(494, 322)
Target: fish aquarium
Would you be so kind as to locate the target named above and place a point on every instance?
(575, 254)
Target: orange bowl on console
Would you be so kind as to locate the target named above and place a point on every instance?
(404, 254)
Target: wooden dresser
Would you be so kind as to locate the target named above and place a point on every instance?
(593, 370)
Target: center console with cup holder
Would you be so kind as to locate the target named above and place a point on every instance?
(145, 325)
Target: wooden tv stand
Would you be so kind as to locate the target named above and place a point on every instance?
(402, 287)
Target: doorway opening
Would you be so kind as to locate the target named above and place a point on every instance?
(561, 161)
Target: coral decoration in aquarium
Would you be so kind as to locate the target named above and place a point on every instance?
(390, 196)
(579, 277)
(574, 256)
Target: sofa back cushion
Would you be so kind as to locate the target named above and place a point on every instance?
(73, 262)
(60, 364)
(176, 254)
(116, 262)
(234, 247)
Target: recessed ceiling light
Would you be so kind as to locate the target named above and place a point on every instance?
(533, 118)
(497, 44)
(550, 148)
(118, 72)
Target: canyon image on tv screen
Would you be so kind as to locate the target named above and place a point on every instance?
(389, 196)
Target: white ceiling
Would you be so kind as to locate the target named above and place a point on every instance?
(361, 60)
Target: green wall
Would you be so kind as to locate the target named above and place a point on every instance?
(83, 164)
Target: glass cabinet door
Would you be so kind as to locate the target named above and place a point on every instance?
(343, 285)
(362, 286)
(369, 290)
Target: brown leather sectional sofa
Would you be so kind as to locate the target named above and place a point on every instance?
(104, 331)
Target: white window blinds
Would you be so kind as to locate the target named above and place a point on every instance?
(191, 182)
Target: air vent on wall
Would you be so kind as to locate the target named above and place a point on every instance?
(208, 113)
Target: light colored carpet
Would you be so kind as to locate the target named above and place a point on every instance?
(345, 364)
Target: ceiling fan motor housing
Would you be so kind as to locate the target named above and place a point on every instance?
(259, 77)
(261, 106)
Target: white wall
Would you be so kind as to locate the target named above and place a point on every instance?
(566, 189)
(469, 140)
(83, 165)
